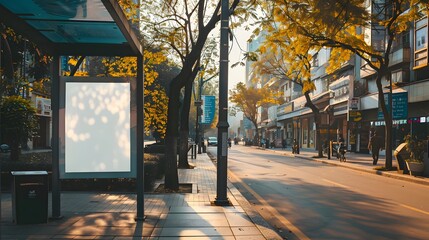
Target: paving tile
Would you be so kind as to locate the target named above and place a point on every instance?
(107, 231)
(62, 236)
(107, 219)
(239, 220)
(193, 232)
(168, 216)
(192, 216)
(135, 238)
(198, 238)
(18, 237)
(196, 209)
(245, 231)
(256, 237)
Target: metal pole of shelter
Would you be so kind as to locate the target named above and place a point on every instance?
(140, 140)
(56, 195)
(222, 148)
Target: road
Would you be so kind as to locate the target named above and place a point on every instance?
(310, 200)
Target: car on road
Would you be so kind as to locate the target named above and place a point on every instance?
(212, 141)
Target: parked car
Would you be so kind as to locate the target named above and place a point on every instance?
(212, 141)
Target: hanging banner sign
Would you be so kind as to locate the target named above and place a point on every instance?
(208, 106)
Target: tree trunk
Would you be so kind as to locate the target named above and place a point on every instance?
(316, 113)
(171, 180)
(318, 138)
(15, 151)
(258, 136)
(184, 127)
(387, 119)
(388, 163)
(76, 67)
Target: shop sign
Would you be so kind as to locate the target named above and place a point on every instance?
(395, 122)
(355, 116)
(418, 120)
(400, 105)
(43, 107)
(354, 103)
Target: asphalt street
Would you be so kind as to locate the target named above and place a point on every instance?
(311, 200)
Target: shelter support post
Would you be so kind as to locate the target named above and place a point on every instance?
(140, 140)
(56, 195)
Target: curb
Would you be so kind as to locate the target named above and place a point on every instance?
(263, 226)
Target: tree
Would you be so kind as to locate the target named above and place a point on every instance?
(184, 26)
(155, 98)
(18, 122)
(290, 57)
(250, 99)
(342, 26)
(17, 115)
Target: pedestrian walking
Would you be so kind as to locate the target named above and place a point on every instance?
(295, 147)
(374, 146)
(283, 144)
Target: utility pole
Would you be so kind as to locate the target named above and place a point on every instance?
(222, 147)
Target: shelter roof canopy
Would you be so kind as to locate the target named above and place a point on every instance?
(73, 27)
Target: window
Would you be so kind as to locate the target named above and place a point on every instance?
(315, 60)
(421, 42)
(398, 76)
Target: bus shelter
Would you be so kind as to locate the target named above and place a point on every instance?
(97, 123)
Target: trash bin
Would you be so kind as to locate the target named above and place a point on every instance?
(30, 197)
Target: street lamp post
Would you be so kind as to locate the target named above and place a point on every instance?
(222, 148)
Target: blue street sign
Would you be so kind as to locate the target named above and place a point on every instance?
(400, 105)
(208, 106)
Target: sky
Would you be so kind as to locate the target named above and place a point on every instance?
(238, 73)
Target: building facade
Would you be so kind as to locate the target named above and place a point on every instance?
(348, 98)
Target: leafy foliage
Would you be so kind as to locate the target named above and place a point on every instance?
(249, 99)
(18, 122)
(155, 102)
(415, 147)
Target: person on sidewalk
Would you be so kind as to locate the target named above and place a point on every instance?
(374, 146)
(283, 144)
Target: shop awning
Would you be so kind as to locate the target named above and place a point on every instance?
(77, 27)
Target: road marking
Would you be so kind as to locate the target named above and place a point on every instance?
(415, 209)
(336, 184)
(273, 211)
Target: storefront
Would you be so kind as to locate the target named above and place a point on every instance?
(42, 139)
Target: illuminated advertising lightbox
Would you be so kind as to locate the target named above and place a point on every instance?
(98, 136)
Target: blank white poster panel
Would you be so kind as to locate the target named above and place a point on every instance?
(97, 127)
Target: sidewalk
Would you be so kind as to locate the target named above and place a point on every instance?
(357, 161)
(89, 215)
